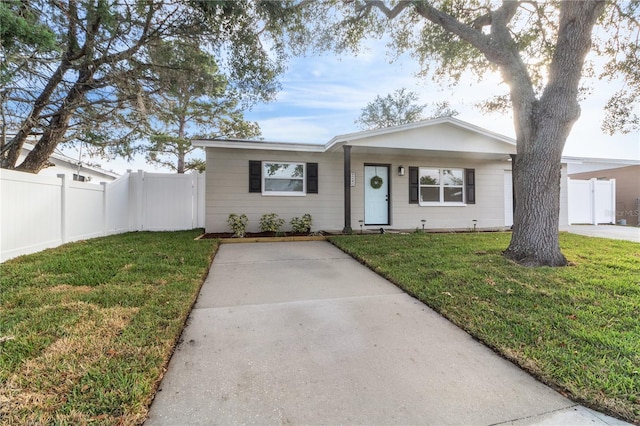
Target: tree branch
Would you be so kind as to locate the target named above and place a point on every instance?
(379, 4)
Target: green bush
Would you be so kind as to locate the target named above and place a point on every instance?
(238, 224)
(270, 222)
(301, 224)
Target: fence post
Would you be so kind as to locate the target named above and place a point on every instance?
(105, 221)
(613, 201)
(63, 207)
(594, 201)
(194, 200)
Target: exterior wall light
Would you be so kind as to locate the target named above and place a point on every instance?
(401, 171)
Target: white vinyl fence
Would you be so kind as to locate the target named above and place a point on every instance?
(592, 201)
(39, 212)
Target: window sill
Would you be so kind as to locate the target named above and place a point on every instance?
(443, 204)
(284, 194)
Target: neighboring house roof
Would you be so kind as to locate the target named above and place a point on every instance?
(586, 164)
(59, 159)
(621, 161)
(444, 135)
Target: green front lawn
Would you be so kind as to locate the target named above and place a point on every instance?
(576, 328)
(87, 329)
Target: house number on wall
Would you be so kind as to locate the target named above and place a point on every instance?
(353, 179)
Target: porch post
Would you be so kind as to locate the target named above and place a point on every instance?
(347, 189)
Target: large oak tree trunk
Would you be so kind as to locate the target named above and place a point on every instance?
(537, 183)
(542, 128)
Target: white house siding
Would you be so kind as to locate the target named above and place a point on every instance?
(488, 210)
(227, 191)
(444, 137)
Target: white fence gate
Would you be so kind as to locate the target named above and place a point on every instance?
(592, 201)
(39, 212)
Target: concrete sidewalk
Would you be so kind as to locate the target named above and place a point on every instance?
(300, 333)
(615, 232)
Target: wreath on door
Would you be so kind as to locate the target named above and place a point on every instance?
(376, 182)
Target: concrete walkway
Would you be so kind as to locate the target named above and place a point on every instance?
(300, 333)
(628, 233)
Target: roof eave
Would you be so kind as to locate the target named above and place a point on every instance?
(258, 145)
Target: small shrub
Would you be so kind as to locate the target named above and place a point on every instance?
(270, 222)
(301, 224)
(238, 224)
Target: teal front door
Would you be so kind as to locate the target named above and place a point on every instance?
(376, 195)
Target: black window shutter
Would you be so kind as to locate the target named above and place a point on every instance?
(312, 178)
(255, 176)
(470, 185)
(413, 185)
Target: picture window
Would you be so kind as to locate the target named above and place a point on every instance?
(283, 178)
(441, 186)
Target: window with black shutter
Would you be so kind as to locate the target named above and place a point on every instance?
(431, 186)
(413, 185)
(470, 185)
(255, 176)
(312, 178)
(283, 178)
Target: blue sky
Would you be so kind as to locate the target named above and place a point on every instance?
(321, 96)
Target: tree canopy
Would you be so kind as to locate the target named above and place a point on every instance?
(91, 88)
(452, 39)
(400, 107)
(190, 99)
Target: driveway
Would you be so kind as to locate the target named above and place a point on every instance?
(628, 233)
(300, 333)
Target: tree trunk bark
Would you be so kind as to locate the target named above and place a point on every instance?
(542, 129)
(181, 163)
(537, 182)
(32, 119)
(54, 133)
(179, 148)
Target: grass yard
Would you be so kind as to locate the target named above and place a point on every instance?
(86, 329)
(576, 328)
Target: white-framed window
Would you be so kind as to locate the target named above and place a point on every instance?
(441, 186)
(283, 178)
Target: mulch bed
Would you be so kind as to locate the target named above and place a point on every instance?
(224, 235)
(256, 235)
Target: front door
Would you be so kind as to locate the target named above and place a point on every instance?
(376, 195)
